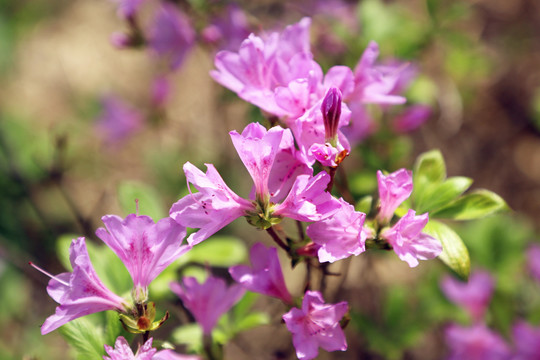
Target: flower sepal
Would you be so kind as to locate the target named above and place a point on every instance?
(143, 320)
(262, 217)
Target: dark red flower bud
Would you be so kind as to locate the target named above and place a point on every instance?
(331, 111)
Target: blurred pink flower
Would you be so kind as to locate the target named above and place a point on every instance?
(473, 295)
(80, 292)
(339, 236)
(394, 188)
(207, 301)
(171, 35)
(275, 72)
(376, 83)
(122, 351)
(475, 343)
(128, 8)
(146, 248)
(160, 91)
(411, 118)
(409, 242)
(228, 29)
(264, 276)
(117, 121)
(526, 340)
(533, 260)
(316, 325)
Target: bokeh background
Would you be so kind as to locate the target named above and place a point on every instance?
(479, 66)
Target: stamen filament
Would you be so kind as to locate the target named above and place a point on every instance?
(48, 274)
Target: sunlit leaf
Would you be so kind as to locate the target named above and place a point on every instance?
(475, 205)
(455, 254)
(438, 195)
(85, 338)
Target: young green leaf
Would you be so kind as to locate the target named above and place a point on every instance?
(429, 168)
(221, 251)
(436, 196)
(475, 205)
(85, 338)
(455, 254)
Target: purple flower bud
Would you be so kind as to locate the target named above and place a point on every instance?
(331, 111)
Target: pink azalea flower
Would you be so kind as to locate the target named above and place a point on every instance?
(309, 132)
(308, 199)
(526, 340)
(362, 126)
(207, 301)
(265, 276)
(117, 120)
(473, 295)
(275, 72)
(171, 35)
(475, 343)
(325, 154)
(409, 242)
(79, 293)
(533, 260)
(122, 351)
(340, 235)
(316, 325)
(376, 83)
(146, 248)
(278, 172)
(393, 190)
(411, 118)
(258, 148)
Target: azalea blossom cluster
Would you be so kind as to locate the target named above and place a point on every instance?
(315, 119)
(478, 341)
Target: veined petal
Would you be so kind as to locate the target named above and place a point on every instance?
(257, 149)
(316, 325)
(146, 248)
(265, 276)
(409, 243)
(207, 301)
(215, 206)
(84, 294)
(340, 235)
(308, 199)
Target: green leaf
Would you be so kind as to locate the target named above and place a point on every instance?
(114, 327)
(243, 306)
(252, 320)
(364, 205)
(85, 338)
(429, 168)
(475, 205)
(436, 196)
(149, 199)
(223, 251)
(62, 249)
(189, 335)
(455, 254)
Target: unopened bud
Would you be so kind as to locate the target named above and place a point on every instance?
(331, 112)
